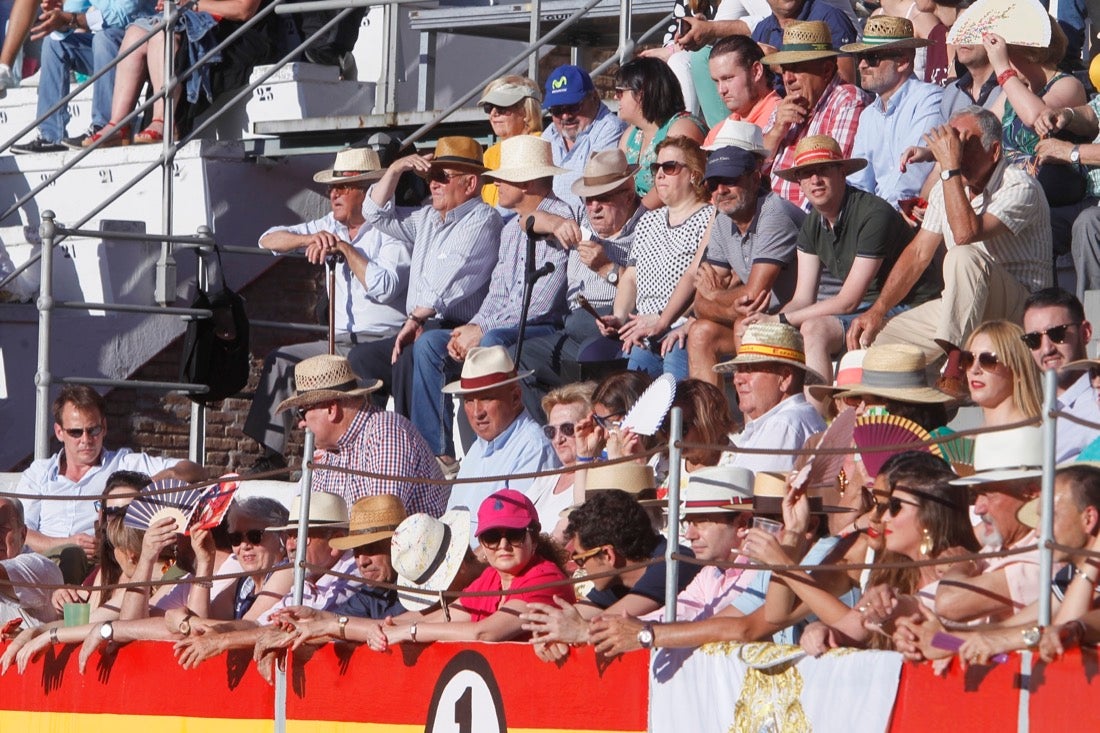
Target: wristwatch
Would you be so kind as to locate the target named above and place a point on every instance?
(1075, 154)
(645, 637)
(106, 631)
(185, 625)
(343, 622)
(613, 276)
(1032, 635)
(945, 175)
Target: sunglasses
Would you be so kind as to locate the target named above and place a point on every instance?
(499, 109)
(669, 167)
(109, 511)
(551, 431)
(300, 413)
(344, 187)
(580, 558)
(441, 176)
(561, 110)
(608, 422)
(715, 182)
(606, 198)
(987, 359)
(1056, 334)
(254, 537)
(620, 91)
(92, 431)
(492, 538)
(874, 59)
(892, 506)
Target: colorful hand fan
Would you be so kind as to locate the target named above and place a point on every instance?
(647, 414)
(1019, 22)
(875, 431)
(959, 452)
(213, 504)
(149, 508)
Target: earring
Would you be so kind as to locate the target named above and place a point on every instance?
(926, 544)
(842, 482)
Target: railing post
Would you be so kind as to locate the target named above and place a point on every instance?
(533, 38)
(47, 231)
(1046, 502)
(672, 571)
(166, 265)
(196, 443)
(626, 45)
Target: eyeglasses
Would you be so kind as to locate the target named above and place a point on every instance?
(716, 182)
(109, 511)
(492, 538)
(609, 422)
(93, 431)
(300, 412)
(580, 558)
(500, 109)
(987, 359)
(440, 176)
(561, 110)
(551, 431)
(606, 198)
(874, 59)
(620, 91)
(669, 167)
(1056, 334)
(892, 506)
(344, 187)
(254, 537)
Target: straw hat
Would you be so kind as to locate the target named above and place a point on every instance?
(525, 158)
(462, 153)
(325, 510)
(816, 150)
(803, 41)
(325, 377)
(604, 171)
(633, 478)
(373, 518)
(1006, 455)
(739, 134)
(1028, 514)
(886, 33)
(768, 490)
(427, 552)
(1082, 365)
(507, 94)
(352, 165)
(896, 372)
(848, 373)
(775, 343)
(486, 367)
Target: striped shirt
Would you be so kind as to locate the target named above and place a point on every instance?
(584, 281)
(452, 257)
(382, 442)
(602, 134)
(1017, 200)
(836, 114)
(501, 308)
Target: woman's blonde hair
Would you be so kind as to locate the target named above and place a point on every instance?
(532, 105)
(1011, 351)
(577, 393)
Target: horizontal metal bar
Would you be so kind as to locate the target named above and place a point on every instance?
(309, 7)
(137, 384)
(309, 327)
(614, 58)
(160, 310)
(181, 239)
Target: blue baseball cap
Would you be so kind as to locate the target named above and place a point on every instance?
(730, 162)
(566, 85)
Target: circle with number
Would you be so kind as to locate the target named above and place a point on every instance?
(466, 698)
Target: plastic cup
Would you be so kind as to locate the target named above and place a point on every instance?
(770, 526)
(77, 614)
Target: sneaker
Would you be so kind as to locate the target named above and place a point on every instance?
(76, 142)
(7, 80)
(38, 145)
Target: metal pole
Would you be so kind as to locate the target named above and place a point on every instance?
(626, 45)
(166, 265)
(197, 439)
(1046, 512)
(533, 39)
(672, 571)
(42, 377)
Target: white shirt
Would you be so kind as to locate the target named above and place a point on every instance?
(325, 593)
(25, 599)
(786, 426)
(1080, 401)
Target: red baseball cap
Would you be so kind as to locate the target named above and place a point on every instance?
(505, 509)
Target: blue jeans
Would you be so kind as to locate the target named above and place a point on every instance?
(651, 362)
(85, 53)
(432, 367)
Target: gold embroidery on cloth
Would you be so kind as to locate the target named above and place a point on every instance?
(771, 692)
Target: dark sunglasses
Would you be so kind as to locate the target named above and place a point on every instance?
(254, 537)
(716, 182)
(581, 558)
(492, 538)
(893, 505)
(344, 187)
(441, 176)
(874, 59)
(608, 422)
(499, 108)
(670, 167)
(620, 91)
(987, 359)
(551, 431)
(561, 110)
(109, 511)
(300, 412)
(92, 431)
(1056, 334)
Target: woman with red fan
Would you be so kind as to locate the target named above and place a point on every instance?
(1001, 374)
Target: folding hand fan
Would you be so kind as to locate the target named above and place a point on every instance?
(649, 411)
(875, 431)
(149, 508)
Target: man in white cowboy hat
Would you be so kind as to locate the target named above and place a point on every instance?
(508, 441)
(853, 235)
(769, 373)
(994, 221)
(525, 183)
(751, 254)
(903, 110)
(742, 83)
(350, 432)
(599, 246)
(1007, 474)
(818, 102)
(454, 242)
(371, 280)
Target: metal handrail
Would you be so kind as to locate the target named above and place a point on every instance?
(618, 57)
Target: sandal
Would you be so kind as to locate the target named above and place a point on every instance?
(115, 137)
(151, 134)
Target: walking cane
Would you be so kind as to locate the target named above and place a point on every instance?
(531, 275)
(331, 262)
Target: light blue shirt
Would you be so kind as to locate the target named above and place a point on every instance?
(884, 134)
(1080, 401)
(602, 134)
(520, 448)
(376, 308)
(116, 13)
(55, 518)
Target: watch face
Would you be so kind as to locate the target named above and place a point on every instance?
(106, 631)
(645, 638)
(613, 277)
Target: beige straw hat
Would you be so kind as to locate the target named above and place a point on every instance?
(373, 518)
(525, 158)
(352, 165)
(604, 171)
(803, 41)
(772, 342)
(768, 491)
(886, 33)
(848, 374)
(325, 510)
(462, 153)
(896, 372)
(816, 150)
(325, 377)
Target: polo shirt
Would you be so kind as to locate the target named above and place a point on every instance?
(840, 26)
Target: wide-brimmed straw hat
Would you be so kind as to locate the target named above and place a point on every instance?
(1081, 365)
(739, 134)
(604, 171)
(427, 552)
(1006, 455)
(462, 153)
(768, 490)
(325, 377)
(772, 342)
(848, 374)
(486, 367)
(373, 518)
(805, 41)
(818, 150)
(896, 372)
(633, 478)
(325, 510)
(352, 165)
(886, 33)
(525, 158)
(715, 490)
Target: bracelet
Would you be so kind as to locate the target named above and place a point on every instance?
(1006, 75)
(1079, 573)
(418, 320)
(208, 584)
(412, 633)
(585, 459)
(53, 635)
(1072, 114)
